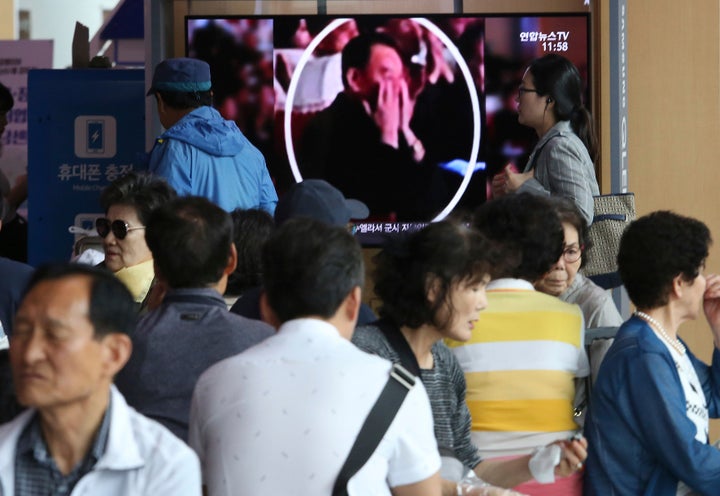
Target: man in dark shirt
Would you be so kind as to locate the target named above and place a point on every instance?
(191, 240)
(362, 143)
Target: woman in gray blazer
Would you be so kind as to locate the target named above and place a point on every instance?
(550, 101)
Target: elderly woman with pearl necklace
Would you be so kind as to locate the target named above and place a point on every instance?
(647, 426)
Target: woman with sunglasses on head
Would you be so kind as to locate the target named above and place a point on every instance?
(564, 280)
(128, 202)
(549, 100)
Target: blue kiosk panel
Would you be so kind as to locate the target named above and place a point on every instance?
(86, 128)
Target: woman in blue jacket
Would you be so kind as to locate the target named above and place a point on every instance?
(647, 427)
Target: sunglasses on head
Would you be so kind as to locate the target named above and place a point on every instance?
(119, 228)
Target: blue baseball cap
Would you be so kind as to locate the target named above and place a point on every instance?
(181, 74)
(319, 200)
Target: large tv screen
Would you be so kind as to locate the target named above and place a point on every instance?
(416, 133)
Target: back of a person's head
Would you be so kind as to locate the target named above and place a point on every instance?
(183, 83)
(527, 233)
(319, 200)
(142, 191)
(6, 99)
(190, 239)
(655, 249)
(112, 308)
(251, 228)
(309, 268)
(445, 252)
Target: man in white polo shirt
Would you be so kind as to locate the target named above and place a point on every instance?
(281, 417)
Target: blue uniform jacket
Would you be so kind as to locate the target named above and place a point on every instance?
(640, 441)
(206, 155)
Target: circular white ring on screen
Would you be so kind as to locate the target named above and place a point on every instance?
(463, 68)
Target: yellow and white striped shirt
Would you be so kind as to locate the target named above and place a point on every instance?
(520, 365)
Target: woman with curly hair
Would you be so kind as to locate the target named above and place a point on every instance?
(526, 353)
(432, 287)
(648, 418)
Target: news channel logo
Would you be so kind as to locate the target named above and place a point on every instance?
(95, 136)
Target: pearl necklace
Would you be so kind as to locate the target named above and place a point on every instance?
(672, 342)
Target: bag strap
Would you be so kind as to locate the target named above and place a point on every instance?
(537, 152)
(400, 345)
(376, 425)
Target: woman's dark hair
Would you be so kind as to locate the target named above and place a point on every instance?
(443, 252)
(557, 77)
(526, 230)
(567, 212)
(251, 228)
(142, 191)
(654, 250)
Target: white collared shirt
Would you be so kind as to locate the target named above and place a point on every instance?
(281, 417)
(142, 458)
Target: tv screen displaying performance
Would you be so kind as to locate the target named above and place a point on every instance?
(414, 127)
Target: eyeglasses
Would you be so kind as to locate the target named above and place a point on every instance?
(572, 254)
(522, 90)
(119, 228)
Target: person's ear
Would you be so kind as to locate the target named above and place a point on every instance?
(116, 350)
(232, 260)
(352, 304)
(677, 286)
(354, 78)
(433, 288)
(160, 103)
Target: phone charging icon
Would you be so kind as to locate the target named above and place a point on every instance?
(95, 136)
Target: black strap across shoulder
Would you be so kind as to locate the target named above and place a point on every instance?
(400, 345)
(537, 152)
(376, 424)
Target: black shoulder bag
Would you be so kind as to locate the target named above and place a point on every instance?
(402, 379)
(375, 426)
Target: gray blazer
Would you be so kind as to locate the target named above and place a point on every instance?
(563, 168)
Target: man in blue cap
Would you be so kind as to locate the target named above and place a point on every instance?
(200, 153)
(318, 200)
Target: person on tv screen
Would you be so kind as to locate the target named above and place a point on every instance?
(550, 101)
(363, 143)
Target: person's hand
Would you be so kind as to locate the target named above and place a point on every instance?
(386, 112)
(711, 305)
(574, 454)
(438, 67)
(407, 107)
(514, 179)
(498, 184)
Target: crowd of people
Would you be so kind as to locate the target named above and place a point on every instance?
(225, 345)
